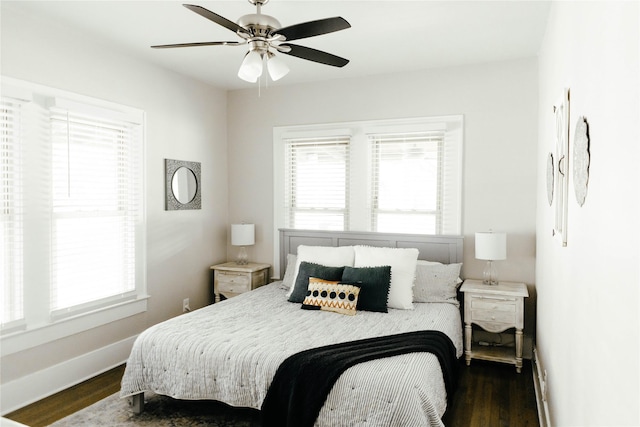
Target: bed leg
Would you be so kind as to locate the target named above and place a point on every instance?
(136, 402)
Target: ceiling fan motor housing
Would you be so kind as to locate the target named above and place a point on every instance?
(259, 25)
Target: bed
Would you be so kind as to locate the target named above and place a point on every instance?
(230, 351)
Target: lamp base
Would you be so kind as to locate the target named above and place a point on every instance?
(242, 259)
(490, 274)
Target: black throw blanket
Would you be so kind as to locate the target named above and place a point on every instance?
(303, 381)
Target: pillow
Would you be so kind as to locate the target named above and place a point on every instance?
(331, 296)
(307, 270)
(288, 279)
(425, 262)
(436, 282)
(323, 255)
(403, 270)
(374, 286)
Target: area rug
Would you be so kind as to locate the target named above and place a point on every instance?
(161, 411)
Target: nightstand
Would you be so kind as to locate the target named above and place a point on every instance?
(495, 308)
(231, 279)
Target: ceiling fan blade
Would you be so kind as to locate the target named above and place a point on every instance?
(165, 46)
(314, 28)
(315, 55)
(215, 18)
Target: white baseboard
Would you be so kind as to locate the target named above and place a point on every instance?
(38, 385)
(540, 385)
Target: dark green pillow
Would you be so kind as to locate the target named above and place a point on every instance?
(308, 269)
(374, 286)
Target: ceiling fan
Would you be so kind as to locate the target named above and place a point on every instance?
(265, 38)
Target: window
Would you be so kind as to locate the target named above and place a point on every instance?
(93, 213)
(406, 178)
(317, 184)
(77, 164)
(11, 213)
(400, 176)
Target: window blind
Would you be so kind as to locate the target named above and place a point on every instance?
(95, 193)
(316, 183)
(407, 182)
(11, 209)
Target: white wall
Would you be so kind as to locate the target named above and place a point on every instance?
(588, 292)
(186, 120)
(499, 104)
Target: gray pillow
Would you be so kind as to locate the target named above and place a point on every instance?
(287, 280)
(436, 282)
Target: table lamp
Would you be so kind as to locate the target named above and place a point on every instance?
(243, 235)
(491, 246)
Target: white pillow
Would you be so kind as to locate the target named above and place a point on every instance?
(403, 269)
(324, 255)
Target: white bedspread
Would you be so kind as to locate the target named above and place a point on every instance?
(230, 352)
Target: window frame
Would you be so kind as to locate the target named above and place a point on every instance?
(41, 324)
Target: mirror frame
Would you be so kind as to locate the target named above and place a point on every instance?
(170, 168)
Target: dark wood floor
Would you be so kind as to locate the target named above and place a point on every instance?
(488, 394)
(493, 394)
(53, 408)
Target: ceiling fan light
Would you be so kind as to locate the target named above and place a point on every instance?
(246, 77)
(277, 68)
(251, 67)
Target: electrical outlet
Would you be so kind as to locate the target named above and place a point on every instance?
(185, 305)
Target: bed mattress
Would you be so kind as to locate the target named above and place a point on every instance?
(230, 352)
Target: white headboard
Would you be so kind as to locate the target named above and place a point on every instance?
(444, 249)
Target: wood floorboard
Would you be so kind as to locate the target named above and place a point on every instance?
(64, 403)
(488, 394)
(493, 394)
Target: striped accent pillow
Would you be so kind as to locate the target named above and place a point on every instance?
(331, 296)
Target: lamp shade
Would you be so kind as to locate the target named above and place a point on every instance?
(277, 69)
(251, 67)
(491, 246)
(243, 234)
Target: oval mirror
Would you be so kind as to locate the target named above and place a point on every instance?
(184, 185)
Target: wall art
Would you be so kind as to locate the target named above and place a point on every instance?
(561, 112)
(182, 185)
(550, 176)
(581, 160)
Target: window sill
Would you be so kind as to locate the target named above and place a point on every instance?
(29, 338)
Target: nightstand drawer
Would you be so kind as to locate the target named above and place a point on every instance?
(234, 288)
(493, 316)
(233, 282)
(494, 304)
(232, 278)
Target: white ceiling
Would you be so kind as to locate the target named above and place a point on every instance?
(386, 36)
